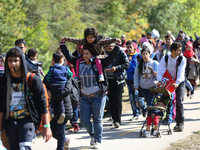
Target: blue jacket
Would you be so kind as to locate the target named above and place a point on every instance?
(57, 74)
(131, 70)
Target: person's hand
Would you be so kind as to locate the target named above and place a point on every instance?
(159, 84)
(192, 63)
(160, 47)
(63, 40)
(175, 85)
(155, 73)
(107, 70)
(71, 65)
(113, 69)
(49, 94)
(136, 89)
(47, 134)
(118, 41)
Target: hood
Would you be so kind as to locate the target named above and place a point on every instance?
(148, 45)
(22, 57)
(8, 79)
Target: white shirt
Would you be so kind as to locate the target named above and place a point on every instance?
(171, 68)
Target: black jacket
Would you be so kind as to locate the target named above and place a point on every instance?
(104, 62)
(36, 106)
(121, 63)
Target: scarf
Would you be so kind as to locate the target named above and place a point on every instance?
(189, 53)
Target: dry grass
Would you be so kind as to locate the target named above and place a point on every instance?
(190, 143)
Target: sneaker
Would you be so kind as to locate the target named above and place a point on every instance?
(97, 145)
(71, 130)
(112, 124)
(144, 113)
(134, 118)
(177, 126)
(154, 133)
(117, 125)
(66, 146)
(61, 118)
(180, 127)
(110, 119)
(34, 140)
(188, 94)
(76, 128)
(52, 115)
(191, 96)
(101, 78)
(92, 141)
(146, 134)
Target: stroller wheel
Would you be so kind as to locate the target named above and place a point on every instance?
(169, 132)
(158, 135)
(141, 134)
(152, 130)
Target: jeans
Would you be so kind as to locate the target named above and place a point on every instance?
(58, 132)
(192, 91)
(115, 97)
(132, 97)
(147, 95)
(93, 106)
(74, 120)
(180, 92)
(20, 134)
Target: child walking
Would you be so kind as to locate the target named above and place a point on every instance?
(91, 36)
(57, 77)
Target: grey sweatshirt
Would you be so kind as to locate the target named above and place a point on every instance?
(146, 80)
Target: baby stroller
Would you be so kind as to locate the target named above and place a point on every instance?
(162, 93)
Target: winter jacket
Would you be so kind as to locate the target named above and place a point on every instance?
(121, 63)
(33, 66)
(104, 62)
(64, 95)
(36, 105)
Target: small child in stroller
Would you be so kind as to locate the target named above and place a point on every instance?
(153, 116)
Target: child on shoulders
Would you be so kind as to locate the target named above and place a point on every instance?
(98, 41)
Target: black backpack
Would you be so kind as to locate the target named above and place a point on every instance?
(73, 90)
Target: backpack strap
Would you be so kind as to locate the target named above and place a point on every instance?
(166, 60)
(179, 60)
(29, 79)
(178, 63)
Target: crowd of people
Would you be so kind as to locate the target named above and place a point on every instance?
(101, 66)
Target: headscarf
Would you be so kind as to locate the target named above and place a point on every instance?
(147, 44)
(144, 39)
(189, 53)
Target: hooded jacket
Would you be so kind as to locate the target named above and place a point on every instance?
(36, 104)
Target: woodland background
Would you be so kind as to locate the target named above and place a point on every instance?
(43, 23)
